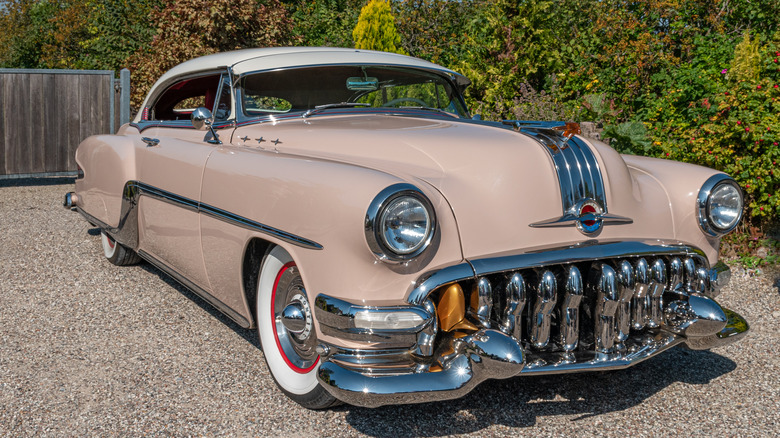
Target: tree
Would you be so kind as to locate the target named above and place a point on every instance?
(435, 29)
(187, 29)
(326, 22)
(376, 29)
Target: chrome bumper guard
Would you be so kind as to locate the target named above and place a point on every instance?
(454, 364)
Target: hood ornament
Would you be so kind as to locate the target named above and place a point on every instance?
(587, 215)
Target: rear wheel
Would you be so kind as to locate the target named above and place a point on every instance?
(117, 253)
(286, 330)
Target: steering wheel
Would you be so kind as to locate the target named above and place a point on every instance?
(404, 99)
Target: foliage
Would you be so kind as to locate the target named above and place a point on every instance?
(628, 137)
(434, 30)
(530, 104)
(746, 65)
(81, 34)
(735, 130)
(26, 30)
(191, 28)
(511, 43)
(376, 29)
(325, 22)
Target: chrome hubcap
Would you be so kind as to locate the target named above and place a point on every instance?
(293, 319)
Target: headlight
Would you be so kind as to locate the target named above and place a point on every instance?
(719, 205)
(400, 223)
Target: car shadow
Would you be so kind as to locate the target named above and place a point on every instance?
(520, 401)
(516, 402)
(37, 181)
(248, 334)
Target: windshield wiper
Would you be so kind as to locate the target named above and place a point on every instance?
(427, 108)
(333, 105)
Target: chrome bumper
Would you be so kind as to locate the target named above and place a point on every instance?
(506, 341)
(491, 354)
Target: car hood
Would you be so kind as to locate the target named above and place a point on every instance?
(497, 181)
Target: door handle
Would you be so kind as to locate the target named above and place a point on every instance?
(150, 142)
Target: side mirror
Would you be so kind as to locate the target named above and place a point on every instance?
(202, 119)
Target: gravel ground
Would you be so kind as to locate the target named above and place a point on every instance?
(88, 348)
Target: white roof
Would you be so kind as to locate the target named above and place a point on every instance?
(249, 60)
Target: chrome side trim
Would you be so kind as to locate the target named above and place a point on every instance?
(219, 305)
(257, 226)
(126, 232)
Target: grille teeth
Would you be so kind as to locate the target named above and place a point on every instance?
(485, 303)
(515, 303)
(657, 284)
(675, 273)
(544, 304)
(641, 302)
(556, 308)
(605, 281)
(570, 310)
(625, 277)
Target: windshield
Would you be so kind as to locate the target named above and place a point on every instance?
(302, 89)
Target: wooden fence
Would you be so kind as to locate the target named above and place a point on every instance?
(45, 114)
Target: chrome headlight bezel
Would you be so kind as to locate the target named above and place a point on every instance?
(373, 223)
(704, 205)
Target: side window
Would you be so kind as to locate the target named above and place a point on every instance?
(222, 110)
(182, 98)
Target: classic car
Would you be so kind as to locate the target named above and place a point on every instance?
(391, 248)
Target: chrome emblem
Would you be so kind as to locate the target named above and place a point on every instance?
(589, 216)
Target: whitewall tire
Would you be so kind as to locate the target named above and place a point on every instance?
(289, 345)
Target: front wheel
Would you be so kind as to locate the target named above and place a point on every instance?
(117, 253)
(286, 330)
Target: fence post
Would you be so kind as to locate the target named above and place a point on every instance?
(124, 97)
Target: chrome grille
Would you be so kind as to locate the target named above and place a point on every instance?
(557, 308)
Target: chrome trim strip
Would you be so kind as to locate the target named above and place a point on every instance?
(126, 232)
(219, 305)
(578, 170)
(257, 226)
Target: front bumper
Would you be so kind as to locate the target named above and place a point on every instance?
(616, 318)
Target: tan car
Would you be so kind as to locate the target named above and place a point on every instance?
(390, 248)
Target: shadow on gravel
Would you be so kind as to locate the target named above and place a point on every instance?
(42, 181)
(248, 334)
(520, 401)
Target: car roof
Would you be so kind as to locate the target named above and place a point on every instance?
(249, 60)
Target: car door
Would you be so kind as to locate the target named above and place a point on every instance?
(171, 158)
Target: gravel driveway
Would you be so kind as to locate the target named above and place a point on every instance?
(91, 349)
